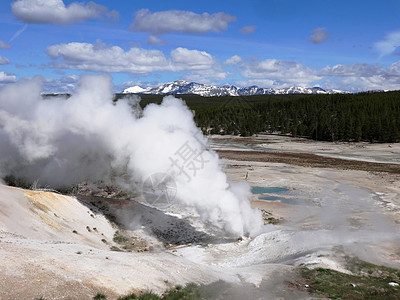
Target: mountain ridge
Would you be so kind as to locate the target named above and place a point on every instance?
(182, 87)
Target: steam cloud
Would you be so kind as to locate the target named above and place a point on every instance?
(61, 142)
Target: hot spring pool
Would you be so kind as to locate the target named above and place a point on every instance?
(268, 190)
(281, 194)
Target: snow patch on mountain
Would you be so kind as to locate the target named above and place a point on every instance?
(134, 90)
(181, 87)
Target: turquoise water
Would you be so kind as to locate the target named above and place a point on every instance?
(268, 190)
(288, 196)
(265, 194)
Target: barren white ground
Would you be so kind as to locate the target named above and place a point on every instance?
(47, 249)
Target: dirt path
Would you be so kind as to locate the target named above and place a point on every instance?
(309, 160)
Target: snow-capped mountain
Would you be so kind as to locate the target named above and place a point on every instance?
(134, 90)
(181, 87)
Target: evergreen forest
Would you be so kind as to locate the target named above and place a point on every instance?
(370, 116)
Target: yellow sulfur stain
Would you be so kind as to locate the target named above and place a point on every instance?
(50, 222)
(41, 202)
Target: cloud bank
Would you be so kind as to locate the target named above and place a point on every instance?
(201, 66)
(102, 58)
(55, 11)
(99, 57)
(361, 77)
(180, 21)
(280, 73)
(283, 73)
(62, 142)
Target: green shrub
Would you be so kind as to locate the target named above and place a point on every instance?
(100, 296)
(128, 297)
(149, 296)
(120, 239)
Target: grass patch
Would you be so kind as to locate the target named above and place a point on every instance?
(189, 292)
(120, 239)
(272, 220)
(128, 297)
(99, 296)
(368, 281)
(114, 248)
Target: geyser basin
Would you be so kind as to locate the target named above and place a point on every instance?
(120, 145)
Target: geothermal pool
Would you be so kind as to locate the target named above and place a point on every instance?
(268, 190)
(281, 194)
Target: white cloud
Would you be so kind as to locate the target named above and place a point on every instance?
(353, 77)
(206, 76)
(4, 45)
(282, 73)
(6, 77)
(102, 58)
(55, 11)
(319, 35)
(180, 21)
(99, 57)
(248, 29)
(4, 60)
(153, 40)
(364, 70)
(183, 58)
(389, 44)
(233, 61)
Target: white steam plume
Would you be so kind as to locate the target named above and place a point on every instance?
(62, 142)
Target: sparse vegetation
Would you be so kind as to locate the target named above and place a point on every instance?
(100, 296)
(272, 220)
(74, 231)
(268, 218)
(120, 239)
(190, 292)
(368, 281)
(149, 296)
(115, 248)
(128, 297)
(128, 243)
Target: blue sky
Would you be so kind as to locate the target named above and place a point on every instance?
(349, 45)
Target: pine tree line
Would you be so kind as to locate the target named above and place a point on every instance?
(371, 116)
